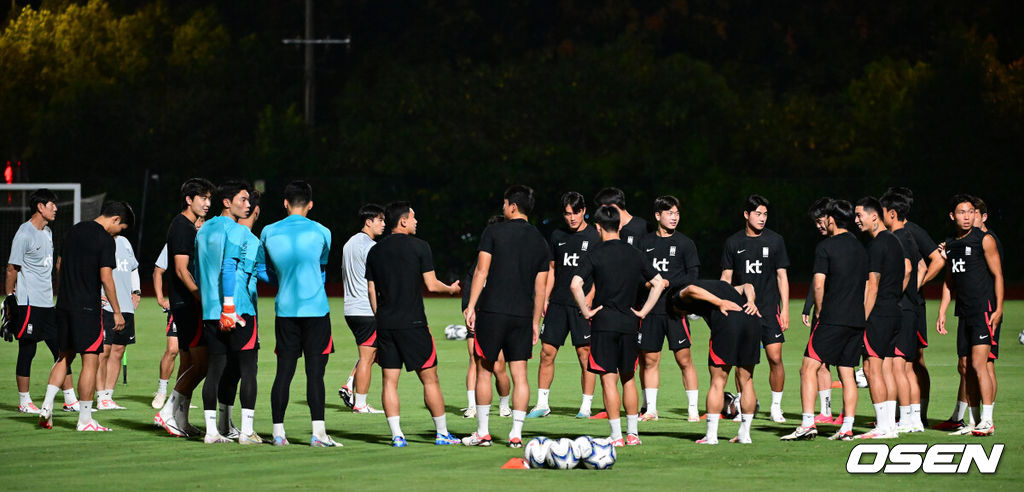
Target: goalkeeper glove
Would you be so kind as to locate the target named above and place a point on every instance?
(228, 318)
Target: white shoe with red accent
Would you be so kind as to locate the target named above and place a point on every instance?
(72, 407)
(366, 409)
(92, 426)
(168, 425)
(705, 440)
(108, 404)
(28, 407)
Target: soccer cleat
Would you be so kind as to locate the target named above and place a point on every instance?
(617, 443)
(103, 405)
(476, 440)
(398, 442)
(46, 418)
(823, 418)
(505, 411)
(633, 440)
(168, 425)
(741, 440)
(908, 429)
(247, 439)
(72, 407)
(192, 431)
(28, 408)
(346, 396)
(877, 433)
(841, 436)
(950, 425)
(158, 400)
(599, 415)
(801, 434)
(324, 442)
(649, 416)
(515, 442)
(777, 416)
(366, 409)
(281, 441)
(233, 433)
(643, 408)
(469, 413)
(92, 426)
(581, 415)
(738, 418)
(705, 440)
(215, 439)
(538, 412)
(446, 439)
(693, 416)
(964, 431)
(984, 428)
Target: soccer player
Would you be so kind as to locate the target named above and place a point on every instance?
(757, 256)
(170, 331)
(126, 279)
(617, 272)
(905, 344)
(632, 228)
(397, 270)
(975, 277)
(296, 249)
(817, 215)
(735, 335)
(561, 315)
(980, 218)
(674, 257)
(87, 263)
(509, 284)
(185, 308)
(30, 280)
(358, 314)
(216, 275)
(840, 275)
(889, 272)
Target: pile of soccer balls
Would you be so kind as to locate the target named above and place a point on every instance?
(565, 454)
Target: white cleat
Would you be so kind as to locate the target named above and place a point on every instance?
(777, 416)
(168, 425)
(108, 405)
(741, 440)
(28, 408)
(249, 439)
(72, 407)
(693, 416)
(216, 439)
(963, 431)
(468, 413)
(505, 411)
(877, 433)
(92, 426)
(366, 409)
(158, 400)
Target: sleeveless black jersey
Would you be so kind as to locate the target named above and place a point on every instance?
(975, 290)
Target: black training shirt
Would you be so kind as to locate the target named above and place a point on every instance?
(518, 254)
(845, 264)
(633, 231)
(568, 250)
(396, 265)
(674, 258)
(618, 272)
(911, 296)
(972, 280)
(87, 248)
(756, 261)
(886, 257)
(181, 240)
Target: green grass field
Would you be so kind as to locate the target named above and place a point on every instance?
(138, 455)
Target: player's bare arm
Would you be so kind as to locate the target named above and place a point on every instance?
(658, 285)
(995, 267)
(539, 297)
(483, 267)
(700, 294)
(438, 287)
(871, 292)
(819, 292)
(947, 294)
(576, 287)
(181, 270)
(782, 278)
(107, 279)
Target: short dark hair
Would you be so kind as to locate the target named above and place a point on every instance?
(607, 217)
(521, 196)
(610, 196)
(870, 203)
(819, 207)
(394, 213)
(42, 196)
(959, 198)
(254, 200)
(229, 190)
(194, 187)
(895, 202)
(665, 202)
(979, 205)
(574, 201)
(841, 211)
(298, 193)
(119, 209)
(754, 201)
(903, 191)
(369, 211)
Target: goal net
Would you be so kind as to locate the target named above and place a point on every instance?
(71, 209)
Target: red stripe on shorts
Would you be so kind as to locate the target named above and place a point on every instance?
(369, 341)
(714, 357)
(594, 365)
(251, 344)
(28, 314)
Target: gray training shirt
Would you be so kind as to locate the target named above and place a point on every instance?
(32, 250)
(357, 299)
(126, 263)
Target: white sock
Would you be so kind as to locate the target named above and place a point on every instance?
(503, 401)
(745, 420)
(85, 412)
(319, 428)
(847, 424)
(278, 430)
(651, 395)
(51, 393)
(471, 396)
(616, 425)
(881, 420)
(588, 400)
(348, 382)
(905, 419)
(211, 422)
(396, 428)
(986, 412)
(825, 396)
(915, 414)
(69, 396)
(24, 398)
(631, 424)
(691, 399)
(890, 412)
(542, 397)
(167, 411)
(360, 400)
(441, 424)
(776, 399)
(958, 411)
(518, 417)
(483, 414)
(712, 434)
(248, 417)
(161, 386)
(806, 419)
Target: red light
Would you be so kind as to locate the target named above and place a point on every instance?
(9, 173)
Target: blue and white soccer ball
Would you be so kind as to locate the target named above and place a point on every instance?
(455, 332)
(562, 455)
(602, 456)
(582, 446)
(536, 451)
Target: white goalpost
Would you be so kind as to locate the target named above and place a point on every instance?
(71, 208)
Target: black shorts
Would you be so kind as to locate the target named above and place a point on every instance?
(124, 337)
(238, 339)
(172, 329)
(974, 330)
(835, 345)
(771, 330)
(735, 339)
(655, 328)
(414, 347)
(364, 329)
(905, 342)
(561, 320)
(309, 336)
(613, 352)
(80, 331)
(922, 326)
(880, 335)
(189, 321)
(503, 333)
(35, 324)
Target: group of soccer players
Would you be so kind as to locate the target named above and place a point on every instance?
(618, 289)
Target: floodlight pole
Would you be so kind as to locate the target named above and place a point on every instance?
(308, 69)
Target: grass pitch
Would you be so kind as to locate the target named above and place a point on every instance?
(138, 455)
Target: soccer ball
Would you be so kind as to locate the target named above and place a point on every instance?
(732, 406)
(455, 332)
(1020, 338)
(536, 451)
(561, 455)
(582, 447)
(602, 455)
